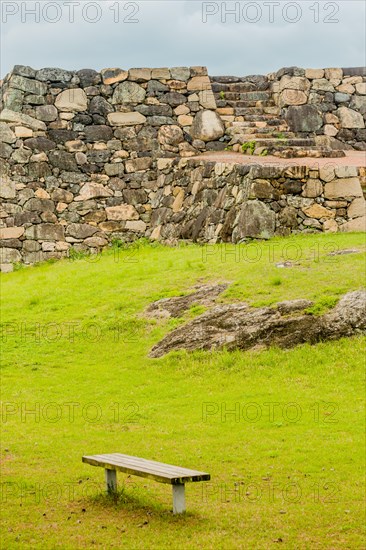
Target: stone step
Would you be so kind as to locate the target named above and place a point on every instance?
(292, 152)
(243, 87)
(272, 110)
(218, 87)
(244, 96)
(243, 111)
(225, 79)
(242, 138)
(301, 152)
(244, 104)
(260, 117)
(258, 79)
(249, 111)
(278, 144)
(275, 125)
(278, 132)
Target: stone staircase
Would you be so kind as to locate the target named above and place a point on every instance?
(253, 122)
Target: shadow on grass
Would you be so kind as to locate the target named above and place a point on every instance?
(132, 500)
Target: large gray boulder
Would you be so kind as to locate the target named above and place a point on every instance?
(256, 220)
(207, 126)
(304, 118)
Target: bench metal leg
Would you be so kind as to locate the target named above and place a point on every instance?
(179, 501)
(110, 481)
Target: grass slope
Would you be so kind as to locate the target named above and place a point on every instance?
(280, 431)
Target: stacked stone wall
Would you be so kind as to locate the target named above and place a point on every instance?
(90, 157)
(330, 103)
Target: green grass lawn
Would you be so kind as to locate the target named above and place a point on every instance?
(280, 431)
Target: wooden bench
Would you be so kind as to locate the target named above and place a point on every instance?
(164, 473)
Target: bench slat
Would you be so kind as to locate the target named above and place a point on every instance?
(124, 460)
(158, 471)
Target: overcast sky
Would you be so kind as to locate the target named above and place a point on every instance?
(259, 37)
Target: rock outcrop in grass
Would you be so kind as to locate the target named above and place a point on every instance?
(238, 326)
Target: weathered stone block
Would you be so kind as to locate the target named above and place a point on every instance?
(40, 144)
(88, 77)
(92, 190)
(292, 97)
(9, 255)
(28, 85)
(294, 83)
(350, 118)
(23, 132)
(39, 205)
(100, 106)
(288, 217)
(98, 133)
(74, 99)
(5, 150)
(255, 220)
(139, 75)
(96, 242)
(317, 211)
(357, 208)
(138, 226)
(21, 155)
(170, 135)
(126, 119)
(7, 188)
(13, 99)
(199, 83)
(207, 99)
(304, 118)
(128, 92)
(60, 136)
(343, 188)
(138, 164)
(122, 212)
(357, 224)
(11, 232)
(341, 97)
(313, 188)
(45, 232)
(110, 226)
(53, 74)
(180, 73)
(173, 98)
(6, 134)
(292, 187)
(314, 73)
(262, 189)
(47, 113)
(361, 88)
(330, 130)
(162, 73)
(333, 73)
(322, 84)
(81, 230)
(24, 70)
(63, 160)
(18, 118)
(111, 76)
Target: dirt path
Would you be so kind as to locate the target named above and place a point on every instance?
(352, 158)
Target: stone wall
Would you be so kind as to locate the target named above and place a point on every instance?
(225, 202)
(70, 139)
(90, 157)
(328, 102)
(190, 199)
